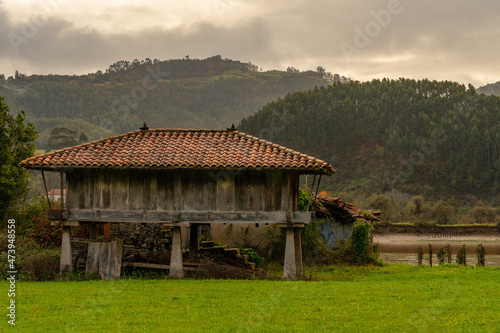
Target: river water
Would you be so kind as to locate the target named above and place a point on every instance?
(402, 248)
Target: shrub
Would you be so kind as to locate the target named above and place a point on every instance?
(481, 253)
(461, 256)
(33, 262)
(44, 234)
(303, 200)
(361, 241)
(314, 249)
(418, 201)
(441, 256)
(442, 213)
(420, 255)
(41, 266)
(26, 215)
(481, 215)
(253, 256)
(383, 203)
(447, 250)
(415, 207)
(358, 249)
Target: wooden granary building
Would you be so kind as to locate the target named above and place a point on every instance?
(182, 178)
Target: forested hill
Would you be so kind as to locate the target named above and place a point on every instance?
(419, 137)
(179, 93)
(490, 89)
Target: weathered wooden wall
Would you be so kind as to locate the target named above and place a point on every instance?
(182, 190)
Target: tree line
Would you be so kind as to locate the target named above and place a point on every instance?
(176, 93)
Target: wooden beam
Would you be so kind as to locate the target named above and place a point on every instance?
(62, 189)
(138, 216)
(93, 254)
(46, 191)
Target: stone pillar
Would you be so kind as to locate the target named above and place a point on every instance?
(66, 266)
(298, 249)
(290, 268)
(193, 240)
(176, 269)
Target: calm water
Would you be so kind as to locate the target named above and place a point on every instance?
(402, 249)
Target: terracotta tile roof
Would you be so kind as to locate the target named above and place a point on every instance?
(180, 148)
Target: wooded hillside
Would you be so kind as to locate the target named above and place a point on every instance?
(179, 93)
(419, 137)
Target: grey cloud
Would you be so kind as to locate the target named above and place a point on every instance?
(58, 46)
(437, 39)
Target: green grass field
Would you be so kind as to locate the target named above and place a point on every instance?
(387, 299)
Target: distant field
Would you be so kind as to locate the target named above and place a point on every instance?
(391, 298)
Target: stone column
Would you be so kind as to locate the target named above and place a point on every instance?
(298, 249)
(176, 269)
(66, 266)
(290, 266)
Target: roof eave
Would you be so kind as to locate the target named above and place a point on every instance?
(302, 171)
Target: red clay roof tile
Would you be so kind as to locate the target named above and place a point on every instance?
(173, 148)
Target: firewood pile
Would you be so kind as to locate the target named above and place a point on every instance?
(343, 212)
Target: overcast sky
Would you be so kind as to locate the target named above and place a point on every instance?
(456, 40)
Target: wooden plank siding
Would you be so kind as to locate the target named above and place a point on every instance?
(134, 190)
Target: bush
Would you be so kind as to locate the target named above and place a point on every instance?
(481, 215)
(383, 203)
(33, 262)
(253, 256)
(361, 241)
(41, 266)
(481, 254)
(420, 255)
(28, 214)
(461, 256)
(358, 249)
(441, 255)
(442, 213)
(44, 234)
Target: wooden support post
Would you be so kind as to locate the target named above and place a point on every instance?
(92, 228)
(46, 191)
(176, 269)
(62, 190)
(193, 239)
(66, 253)
(290, 266)
(298, 249)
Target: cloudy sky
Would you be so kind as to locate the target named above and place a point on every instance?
(455, 40)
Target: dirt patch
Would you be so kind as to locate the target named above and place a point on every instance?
(222, 267)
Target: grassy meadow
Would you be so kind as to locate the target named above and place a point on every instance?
(331, 299)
